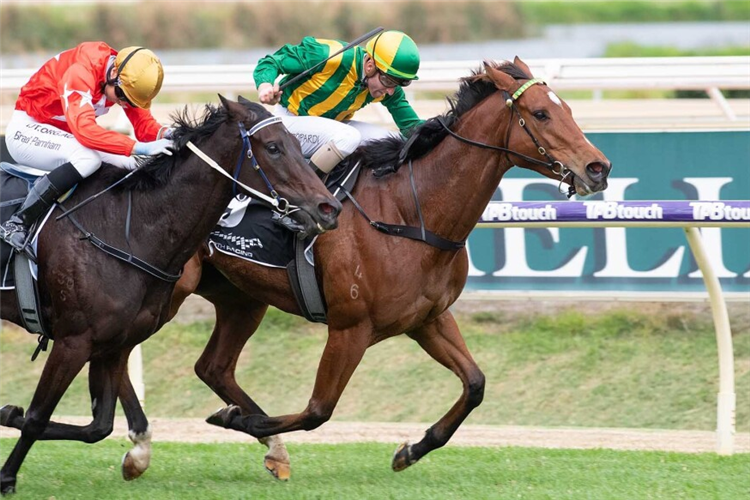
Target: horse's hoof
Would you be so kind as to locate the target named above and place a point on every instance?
(278, 469)
(402, 458)
(7, 485)
(130, 469)
(8, 413)
(224, 416)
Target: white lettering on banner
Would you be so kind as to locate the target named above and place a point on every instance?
(613, 210)
(616, 246)
(615, 238)
(505, 212)
(719, 211)
(516, 263)
(473, 271)
(710, 189)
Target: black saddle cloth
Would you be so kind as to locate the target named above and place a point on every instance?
(247, 230)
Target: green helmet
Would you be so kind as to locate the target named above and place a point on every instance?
(395, 54)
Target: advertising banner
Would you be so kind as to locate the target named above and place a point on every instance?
(680, 166)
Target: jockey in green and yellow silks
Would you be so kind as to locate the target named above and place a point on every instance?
(319, 108)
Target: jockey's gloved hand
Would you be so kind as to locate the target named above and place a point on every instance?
(162, 146)
(165, 133)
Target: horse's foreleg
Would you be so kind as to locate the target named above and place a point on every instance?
(102, 387)
(442, 340)
(136, 461)
(65, 361)
(236, 321)
(342, 354)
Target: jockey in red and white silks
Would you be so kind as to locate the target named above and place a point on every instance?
(54, 128)
(55, 116)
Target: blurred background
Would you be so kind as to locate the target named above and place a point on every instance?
(241, 31)
(583, 364)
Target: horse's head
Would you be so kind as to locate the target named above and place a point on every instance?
(542, 128)
(281, 168)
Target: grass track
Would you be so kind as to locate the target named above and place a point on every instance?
(636, 367)
(362, 471)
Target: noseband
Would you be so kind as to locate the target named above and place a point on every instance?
(279, 204)
(555, 166)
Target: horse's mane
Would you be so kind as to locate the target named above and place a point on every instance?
(155, 172)
(383, 155)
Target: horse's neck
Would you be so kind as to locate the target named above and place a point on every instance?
(170, 222)
(196, 197)
(456, 180)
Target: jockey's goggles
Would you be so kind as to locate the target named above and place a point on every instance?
(392, 82)
(120, 94)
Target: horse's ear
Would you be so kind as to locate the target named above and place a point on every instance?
(244, 101)
(502, 80)
(235, 111)
(518, 62)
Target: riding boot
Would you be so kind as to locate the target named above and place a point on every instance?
(322, 175)
(41, 196)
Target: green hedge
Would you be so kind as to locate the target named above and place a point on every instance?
(633, 11)
(26, 28)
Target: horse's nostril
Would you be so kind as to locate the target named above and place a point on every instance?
(596, 168)
(328, 209)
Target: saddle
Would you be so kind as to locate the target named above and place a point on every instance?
(18, 272)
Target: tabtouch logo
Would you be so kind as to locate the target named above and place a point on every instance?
(507, 212)
(719, 211)
(611, 210)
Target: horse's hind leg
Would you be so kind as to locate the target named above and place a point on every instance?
(136, 461)
(65, 361)
(186, 285)
(442, 340)
(236, 321)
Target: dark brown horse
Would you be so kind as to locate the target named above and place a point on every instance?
(378, 286)
(98, 308)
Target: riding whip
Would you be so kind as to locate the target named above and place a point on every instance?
(348, 46)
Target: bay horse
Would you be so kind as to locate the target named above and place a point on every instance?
(377, 286)
(98, 308)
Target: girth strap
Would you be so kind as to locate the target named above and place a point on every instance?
(29, 305)
(414, 233)
(121, 254)
(305, 285)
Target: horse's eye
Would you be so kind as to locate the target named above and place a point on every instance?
(272, 148)
(540, 115)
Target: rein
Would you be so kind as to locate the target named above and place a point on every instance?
(279, 203)
(421, 233)
(563, 172)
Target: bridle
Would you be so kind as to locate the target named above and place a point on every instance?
(555, 166)
(421, 233)
(278, 203)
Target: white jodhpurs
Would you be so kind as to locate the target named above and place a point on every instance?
(46, 147)
(312, 132)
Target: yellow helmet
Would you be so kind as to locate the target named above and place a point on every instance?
(140, 75)
(395, 54)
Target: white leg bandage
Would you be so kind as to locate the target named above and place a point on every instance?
(327, 157)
